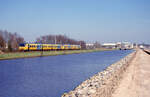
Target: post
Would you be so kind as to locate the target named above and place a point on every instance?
(80, 45)
(55, 43)
(55, 39)
(42, 50)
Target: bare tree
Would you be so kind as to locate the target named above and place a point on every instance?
(59, 39)
(2, 42)
(10, 40)
(83, 44)
(97, 45)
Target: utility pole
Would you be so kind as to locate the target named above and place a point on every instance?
(55, 43)
(55, 39)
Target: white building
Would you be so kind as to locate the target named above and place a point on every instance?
(89, 45)
(109, 45)
(119, 45)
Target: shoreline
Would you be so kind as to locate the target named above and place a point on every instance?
(34, 54)
(136, 80)
(104, 83)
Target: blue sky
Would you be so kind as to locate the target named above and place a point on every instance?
(89, 20)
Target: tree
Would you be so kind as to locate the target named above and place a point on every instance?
(10, 40)
(2, 42)
(97, 45)
(83, 44)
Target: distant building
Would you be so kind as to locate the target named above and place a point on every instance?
(118, 45)
(141, 46)
(127, 45)
(109, 45)
(89, 45)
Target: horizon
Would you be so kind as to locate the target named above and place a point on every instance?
(102, 21)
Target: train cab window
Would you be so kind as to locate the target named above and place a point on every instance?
(22, 44)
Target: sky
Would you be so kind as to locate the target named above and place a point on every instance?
(89, 20)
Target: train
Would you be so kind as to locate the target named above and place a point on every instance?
(46, 47)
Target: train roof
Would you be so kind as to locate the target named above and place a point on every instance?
(48, 43)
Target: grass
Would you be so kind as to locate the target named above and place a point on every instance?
(45, 53)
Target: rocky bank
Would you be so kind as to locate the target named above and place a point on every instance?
(103, 83)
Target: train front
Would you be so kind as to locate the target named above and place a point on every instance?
(22, 46)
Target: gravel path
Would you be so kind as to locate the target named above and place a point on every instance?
(136, 80)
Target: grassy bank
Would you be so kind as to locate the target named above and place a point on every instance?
(45, 53)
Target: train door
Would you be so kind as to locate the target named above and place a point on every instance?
(58, 47)
(39, 47)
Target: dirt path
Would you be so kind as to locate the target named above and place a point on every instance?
(136, 80)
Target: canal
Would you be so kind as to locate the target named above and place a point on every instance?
(51, 76)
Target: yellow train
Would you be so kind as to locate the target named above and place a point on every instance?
(45, 47)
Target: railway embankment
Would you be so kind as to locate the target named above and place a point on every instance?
(30, 54)
(103, 83)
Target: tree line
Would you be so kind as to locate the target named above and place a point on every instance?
(10, 41)
(60, 39)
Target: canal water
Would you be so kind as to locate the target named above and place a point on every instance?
(53, 75)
